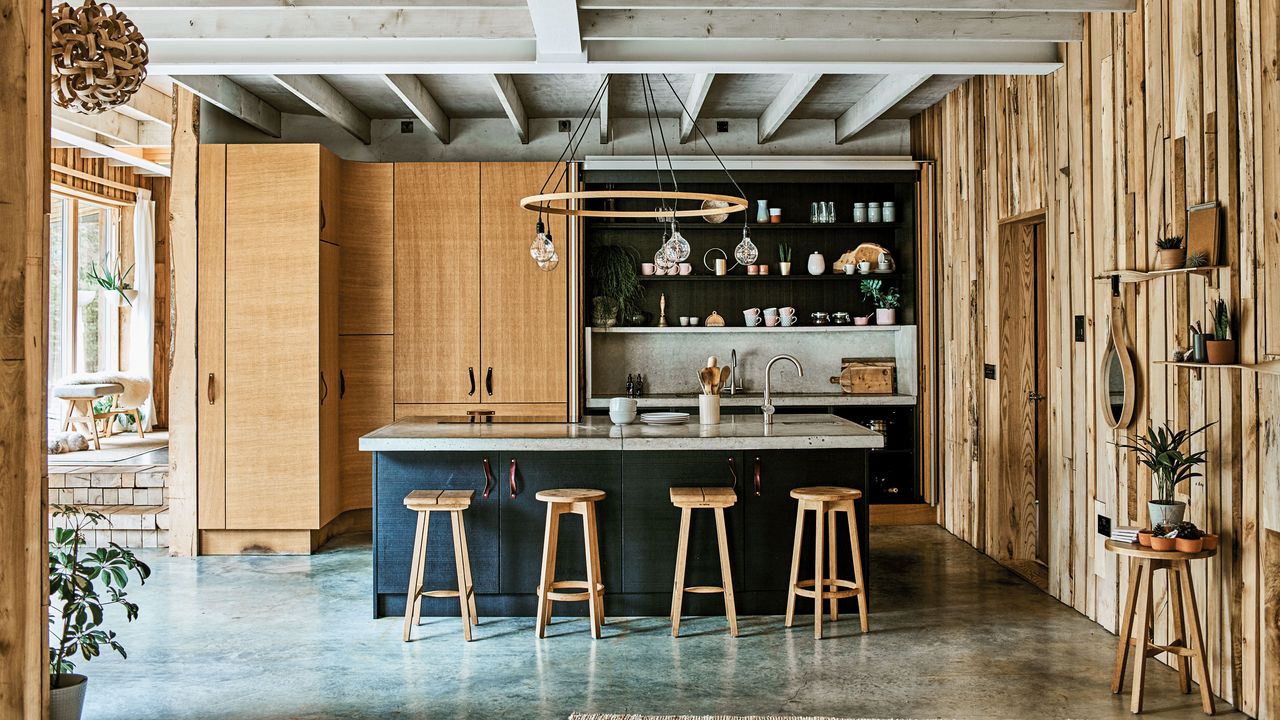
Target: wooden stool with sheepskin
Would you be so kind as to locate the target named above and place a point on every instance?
(81, 391)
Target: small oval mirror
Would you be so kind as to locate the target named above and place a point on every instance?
(1117, 389)
(1114, 387)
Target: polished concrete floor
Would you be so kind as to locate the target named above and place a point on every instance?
(953, 635)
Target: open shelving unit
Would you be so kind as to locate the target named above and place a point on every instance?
(1271, 367)
(1141, 276)
(758, 328)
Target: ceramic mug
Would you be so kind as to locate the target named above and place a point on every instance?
(770, 312)
(775, 215)
(849, 268)
(751, 317)
(787, 320)
(771, 320)
(753, 269)
(693, 320)
(864, 267)
(646, 268)
(684, 320)
(686, 268)
(787, 311)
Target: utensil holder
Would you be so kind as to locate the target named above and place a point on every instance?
(708, 409)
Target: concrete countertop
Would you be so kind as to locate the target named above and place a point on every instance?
(755, 399)
(735, 432)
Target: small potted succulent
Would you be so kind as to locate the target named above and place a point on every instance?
(1188, 538)
(110, 277)
(1221, 350)
(81, 586)
(1170, 254)
(886, 301)
(784, 259)
(1161, 450)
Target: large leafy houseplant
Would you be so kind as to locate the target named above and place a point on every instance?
(613, 274)
(1161, 449)
(82, 584)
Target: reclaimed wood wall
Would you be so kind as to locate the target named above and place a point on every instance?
(1174, 104)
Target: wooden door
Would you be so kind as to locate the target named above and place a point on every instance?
(272, 337)
(211, 411)
(1040, 390)
(524, 310)
(366, 403)
(366, 237)
(330, 384)
(330, 217)
(437, 282)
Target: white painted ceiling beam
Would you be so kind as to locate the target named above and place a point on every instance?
(323, 23)
(233, 99)
(505, 88)
(324, 99)
(604, 112)
(555, 25)
(784, 104)
(92, 148)
(149, 104)
(829, 25)
(415, 96)
(1077, 6)
(882, 96)
(117, 127)
(693, 104)
(427, 57)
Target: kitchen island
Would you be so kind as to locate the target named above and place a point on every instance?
(506, 464)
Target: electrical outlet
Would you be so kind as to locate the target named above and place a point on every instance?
(1104, 526)
(564, 126)
(406, 126)
(989, 371)
(722, 126)
(1079, 328)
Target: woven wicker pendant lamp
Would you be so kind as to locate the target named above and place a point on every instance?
(99, 58)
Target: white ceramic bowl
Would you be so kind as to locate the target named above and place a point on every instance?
(622, 416)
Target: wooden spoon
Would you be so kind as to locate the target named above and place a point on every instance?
(724, 377)
(707, 376)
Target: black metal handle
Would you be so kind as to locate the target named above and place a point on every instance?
(756, 468)
(512, 480)
(488, 479)
(733, 470)
(324, 388)
(342, 385)
(210, 390)
(471, 375)
(488, 381)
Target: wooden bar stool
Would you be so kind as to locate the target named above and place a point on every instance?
(578, 502)
(425, 502)
(825, 502)
(711, 498)
(1187, 645)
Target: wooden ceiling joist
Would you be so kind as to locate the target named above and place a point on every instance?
(324, 99)
(693, 104)
(415, 96)
(784, 104)
(1076, 6)
(229, 97)
(109, 124)
(878, 100)
(92, 148)
(149, 104)
(505, 88)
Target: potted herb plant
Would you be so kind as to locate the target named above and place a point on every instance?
(615, 284)
(1161, 450)
(784, 259)
(1170, 254)
(81, 586)
(886, 301)
(111, 278)
(1221, 350)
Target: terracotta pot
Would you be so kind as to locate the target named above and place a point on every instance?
(1221, 352)
(1210, 541)
(1163, 544)
(1188, 545)
(1171, 259)
(1144, 538)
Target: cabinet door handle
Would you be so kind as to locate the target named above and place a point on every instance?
(733, 470)
(324, 388)
(210, 390)
(488, 381)
(488, 479)
(756, 467)
(342, 385)
(471, 375)
(512, 480)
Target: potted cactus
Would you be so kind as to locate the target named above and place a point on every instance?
(1170, 254)
(1161, 450)
(1221, 350)
(784, 258)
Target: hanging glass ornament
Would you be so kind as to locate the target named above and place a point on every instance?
(746, 252)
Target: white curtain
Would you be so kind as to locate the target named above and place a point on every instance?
(143, 321)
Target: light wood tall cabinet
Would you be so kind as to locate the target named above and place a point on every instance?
(477, 324)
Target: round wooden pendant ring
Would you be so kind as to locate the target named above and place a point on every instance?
(98, 57)
(546, 203)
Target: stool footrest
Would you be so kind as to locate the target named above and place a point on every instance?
(704, 589)
(443, 593)
(582, 586)
(804, 588)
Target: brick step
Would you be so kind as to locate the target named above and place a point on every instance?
(130, 526)
(109, 485)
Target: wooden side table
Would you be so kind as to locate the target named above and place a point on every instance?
(1188, 642)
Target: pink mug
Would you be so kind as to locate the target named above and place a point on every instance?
(771, 320)
(686, 268)
(646, 268)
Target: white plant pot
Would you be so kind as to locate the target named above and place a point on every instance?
(67, 701)
(886, 316)
(1162, 514)
(784, 268)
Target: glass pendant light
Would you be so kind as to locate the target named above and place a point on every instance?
(746, 252)
(677, 246)
(542, 249)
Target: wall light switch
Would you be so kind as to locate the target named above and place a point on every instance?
(564, 126)
(989, 371)
(1104, 526)
(1079, 328)
(406, 126)
(722, 126)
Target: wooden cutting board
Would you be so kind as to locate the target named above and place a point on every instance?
(867, 376)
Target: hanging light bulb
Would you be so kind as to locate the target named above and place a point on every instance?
(664, 259)
(746, 252)
(550, 263)
(542, 248)
(678, 247)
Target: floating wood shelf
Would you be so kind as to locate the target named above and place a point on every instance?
(730, 225)
(1272, 367)
(1137, 276)
(645, 329)
(770, 276)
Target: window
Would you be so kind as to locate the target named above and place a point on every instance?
(84, 319)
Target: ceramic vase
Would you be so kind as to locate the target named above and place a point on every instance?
(762, 211)
(817, 263)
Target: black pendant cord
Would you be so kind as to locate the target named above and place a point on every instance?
(675, 205)
(653, 141)
(705, 139)
(571, 147)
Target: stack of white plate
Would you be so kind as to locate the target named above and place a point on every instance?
(664, 418)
